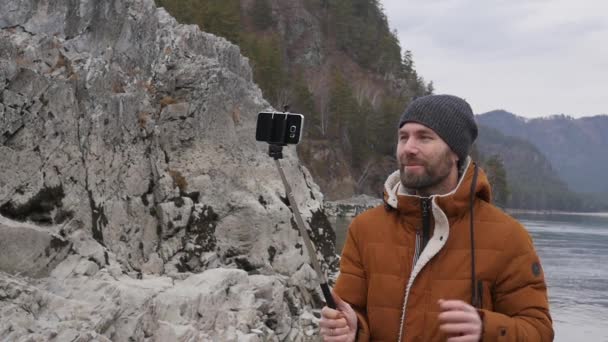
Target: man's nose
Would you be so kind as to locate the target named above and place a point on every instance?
(410, 146)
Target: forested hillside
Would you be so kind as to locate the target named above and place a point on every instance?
(577, 148)
(523, 178)
(338, 63)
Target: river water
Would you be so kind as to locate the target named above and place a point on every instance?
(574, 254)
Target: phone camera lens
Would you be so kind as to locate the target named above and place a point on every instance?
(292, 129)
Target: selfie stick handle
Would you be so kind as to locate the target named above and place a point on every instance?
(309, 247)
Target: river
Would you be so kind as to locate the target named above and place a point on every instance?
(574, 253)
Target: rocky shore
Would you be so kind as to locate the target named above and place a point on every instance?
(352, 206)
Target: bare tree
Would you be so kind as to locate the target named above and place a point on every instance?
(365, 173)
(324, 113)
(320, 89)
(284, 97)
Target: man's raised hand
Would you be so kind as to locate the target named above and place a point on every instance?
(338, 325)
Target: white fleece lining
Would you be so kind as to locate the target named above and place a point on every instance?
(435, 244)
(391, 187)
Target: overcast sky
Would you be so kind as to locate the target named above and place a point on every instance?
(531, 57)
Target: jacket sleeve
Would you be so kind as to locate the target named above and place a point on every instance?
(351, 284)
(521, 307)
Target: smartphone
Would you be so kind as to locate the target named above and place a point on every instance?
(279, 128)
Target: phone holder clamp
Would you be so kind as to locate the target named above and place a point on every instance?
(275, 151)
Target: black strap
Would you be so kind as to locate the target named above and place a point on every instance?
(475, 295)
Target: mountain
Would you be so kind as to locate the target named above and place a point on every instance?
(531, 180)
(576, 148)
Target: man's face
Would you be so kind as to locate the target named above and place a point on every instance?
(425, 160)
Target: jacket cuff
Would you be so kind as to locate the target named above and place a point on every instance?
(495, 326)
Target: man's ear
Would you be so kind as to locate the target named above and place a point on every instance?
(455, 158)
(456, 161)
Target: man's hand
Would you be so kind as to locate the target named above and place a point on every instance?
(459, 321)
(338, 325)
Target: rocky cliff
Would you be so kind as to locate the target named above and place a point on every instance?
(134, 202)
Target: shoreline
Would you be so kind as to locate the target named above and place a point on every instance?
(554, 212)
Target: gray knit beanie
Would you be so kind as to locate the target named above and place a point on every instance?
(449, 116)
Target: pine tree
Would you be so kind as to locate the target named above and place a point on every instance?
(222, 18)
(498, 179)
(342, 105)
(384, 129)
(303, 102)
(267, 62)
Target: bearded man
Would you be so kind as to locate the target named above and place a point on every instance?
(438, 261)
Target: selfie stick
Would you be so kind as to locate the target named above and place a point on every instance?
(276, 152)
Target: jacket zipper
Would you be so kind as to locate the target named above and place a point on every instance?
(426, 221)
(417, 251)
(421, 240)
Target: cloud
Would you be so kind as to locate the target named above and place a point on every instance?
(532, 57)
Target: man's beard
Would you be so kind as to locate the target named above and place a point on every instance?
(432, 175)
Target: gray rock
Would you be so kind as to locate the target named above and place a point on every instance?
(174, 216)
(28, 250)
(130, 138)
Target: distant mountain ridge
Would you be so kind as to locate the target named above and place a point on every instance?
(531, 181)
(576, 148)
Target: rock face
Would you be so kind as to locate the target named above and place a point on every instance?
(134, 202)
(29, 250)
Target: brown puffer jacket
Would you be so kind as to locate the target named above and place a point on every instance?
(378, 274)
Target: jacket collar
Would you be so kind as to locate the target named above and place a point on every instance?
(454, 203)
